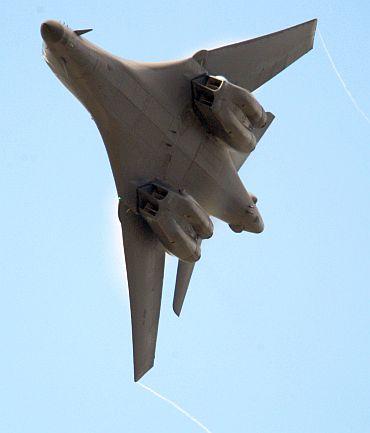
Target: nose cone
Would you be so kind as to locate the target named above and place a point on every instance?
(51, 31)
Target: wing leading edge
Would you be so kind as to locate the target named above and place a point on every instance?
(251, 63)
(145, 258)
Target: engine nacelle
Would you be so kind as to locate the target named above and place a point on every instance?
(229, 111)
(176, 218)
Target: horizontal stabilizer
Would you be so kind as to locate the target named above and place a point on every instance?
(184, 272)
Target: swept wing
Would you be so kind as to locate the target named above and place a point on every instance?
(251, 63)
(145, 257)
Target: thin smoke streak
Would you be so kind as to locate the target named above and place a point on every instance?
(176, 406)
(349, 94)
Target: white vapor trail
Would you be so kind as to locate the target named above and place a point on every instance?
(176, 406)
(349, 94)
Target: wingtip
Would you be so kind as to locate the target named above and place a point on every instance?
(139, 373)
(314, 27)
(312, 22)
(176, 309)
(311, 25)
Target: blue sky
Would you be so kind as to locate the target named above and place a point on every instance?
(274, 336)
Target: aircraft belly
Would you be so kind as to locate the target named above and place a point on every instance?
(142, 148)
(184, 148)
(213, 181)
(138, 151)
(145, 143)
(176, 133)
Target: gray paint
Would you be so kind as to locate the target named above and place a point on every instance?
(176, 134)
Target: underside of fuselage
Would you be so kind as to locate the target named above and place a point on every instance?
(176, 134)
(145, 115)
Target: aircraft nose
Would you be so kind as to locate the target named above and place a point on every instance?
(52, 31)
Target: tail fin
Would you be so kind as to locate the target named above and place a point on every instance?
(184, 272)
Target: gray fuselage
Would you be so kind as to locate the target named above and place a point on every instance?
(145, 115)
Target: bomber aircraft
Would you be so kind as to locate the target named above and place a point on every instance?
(176, 134)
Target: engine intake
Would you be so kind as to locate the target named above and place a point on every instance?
(176, 218)
(228, 111)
